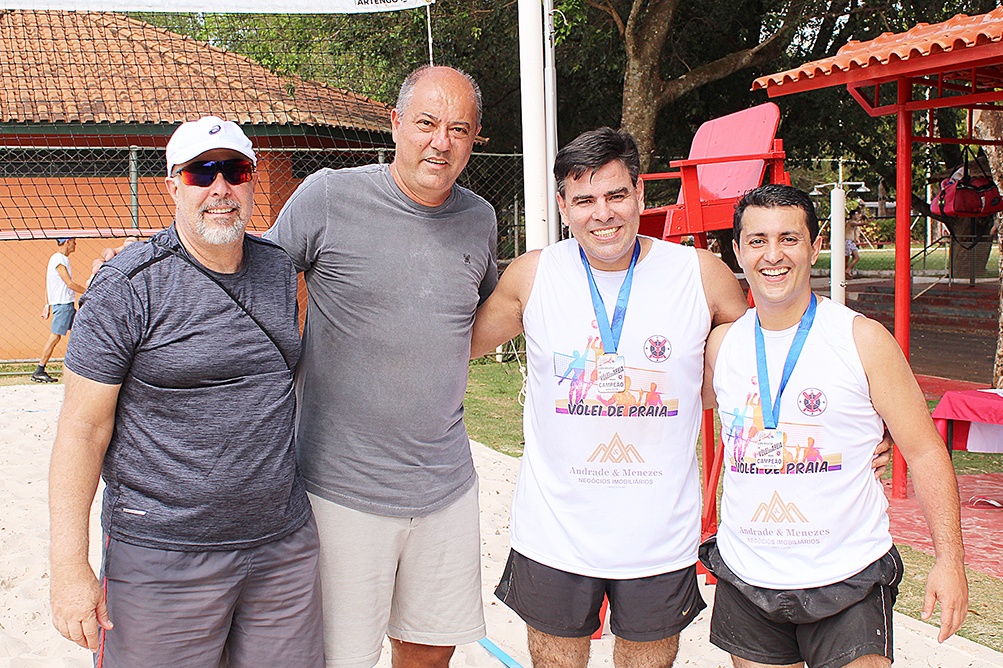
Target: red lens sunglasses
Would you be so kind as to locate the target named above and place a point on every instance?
(202, 174)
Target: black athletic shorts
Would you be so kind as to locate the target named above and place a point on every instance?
(567, 605)
(826, 627)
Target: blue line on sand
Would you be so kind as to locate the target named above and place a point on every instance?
(497, 651)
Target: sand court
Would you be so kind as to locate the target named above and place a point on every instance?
(28, 415)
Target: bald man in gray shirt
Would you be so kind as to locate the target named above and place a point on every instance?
(396, 259)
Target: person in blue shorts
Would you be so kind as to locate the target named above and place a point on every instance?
(60, 289)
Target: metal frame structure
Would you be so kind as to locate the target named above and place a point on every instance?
(959, 63)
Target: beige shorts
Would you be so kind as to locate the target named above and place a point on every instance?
(414, 579)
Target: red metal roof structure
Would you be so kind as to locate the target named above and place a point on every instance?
(957, 63)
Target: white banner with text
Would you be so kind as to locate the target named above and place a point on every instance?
(232, 7)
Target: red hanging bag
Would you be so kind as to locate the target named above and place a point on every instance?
(968, 197)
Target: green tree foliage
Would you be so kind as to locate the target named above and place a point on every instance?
(372, 53)
(830, 123)
(708, 53)
(674, 50)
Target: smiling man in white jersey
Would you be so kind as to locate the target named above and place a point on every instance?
(607, 502)
(806, 566)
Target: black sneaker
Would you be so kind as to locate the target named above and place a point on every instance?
(41, 376)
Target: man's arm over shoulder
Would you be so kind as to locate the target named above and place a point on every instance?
(710, 359)
(899, 401)
(724, 295)
(301, 225)
(86, 422)
(499, 318)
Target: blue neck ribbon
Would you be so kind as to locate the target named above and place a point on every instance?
(610, 331)
(771, 410)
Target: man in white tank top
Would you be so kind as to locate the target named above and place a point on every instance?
(607, 502)
(807, 571)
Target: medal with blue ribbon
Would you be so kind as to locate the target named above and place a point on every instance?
(610, 367)
(770, 454)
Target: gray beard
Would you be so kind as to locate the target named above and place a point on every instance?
(217, 235)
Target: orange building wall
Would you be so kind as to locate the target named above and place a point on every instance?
(80, 203)
(87, 203)
(22, 280)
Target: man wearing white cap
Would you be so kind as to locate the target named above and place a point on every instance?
(179, 392)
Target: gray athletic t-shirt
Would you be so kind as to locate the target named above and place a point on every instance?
(202, 454)
(393, 288)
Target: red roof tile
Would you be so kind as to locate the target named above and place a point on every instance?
(923, 41)
(95, 67)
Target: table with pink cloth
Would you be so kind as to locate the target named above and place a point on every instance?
(971, 420)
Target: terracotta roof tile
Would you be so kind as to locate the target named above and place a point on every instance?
(95, 67)
(923, 40)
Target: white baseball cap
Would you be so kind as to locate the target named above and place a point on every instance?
(194, 138)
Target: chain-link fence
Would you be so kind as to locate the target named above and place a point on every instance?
(121, 206)
(497, 177)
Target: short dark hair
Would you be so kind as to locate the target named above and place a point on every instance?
(407, 88)
(774, 195)
(594, 149)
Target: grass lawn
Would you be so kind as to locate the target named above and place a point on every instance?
(491, 408)
(884, 259)
(984, 623)
(17, 374)
(494, 417)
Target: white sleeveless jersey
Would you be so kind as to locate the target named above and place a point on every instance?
(608, 485)
(818, 516)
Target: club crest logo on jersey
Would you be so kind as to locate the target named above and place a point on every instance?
(657, 348)
(812, 402)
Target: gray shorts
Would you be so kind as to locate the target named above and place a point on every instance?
(826, 627)
(415, 579)
(567, 605)
(62, 318)
(260, 605)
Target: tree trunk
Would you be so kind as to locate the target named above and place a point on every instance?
(645, 93)
(644, 35)
(989, 125)
(640, 108)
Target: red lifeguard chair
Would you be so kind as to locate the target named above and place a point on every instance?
(729, 156)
